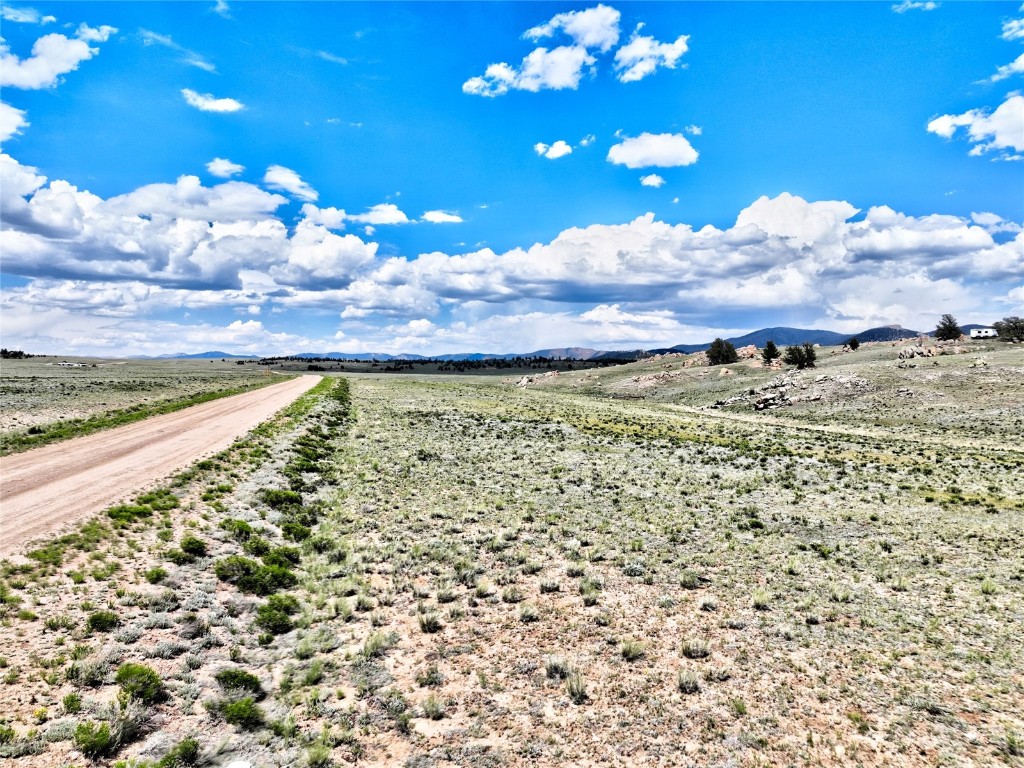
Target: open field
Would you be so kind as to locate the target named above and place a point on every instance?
(40, 399)
(585, 570)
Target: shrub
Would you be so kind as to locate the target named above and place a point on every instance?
(72, 703)
(278, 499)
(93, 740)
(102, 621)
(184, 753)
(239, 529)
(126, 514)
(256, 546)
(234, 567)
(245, 713)
(721, 352)
(274, 615)
(295, 531)
(267, 579)
(155, 575)
(853, 343)
(159, 499)
(138, 681)
(193, 545)
(240, 680)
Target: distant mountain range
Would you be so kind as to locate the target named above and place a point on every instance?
(197, 356)
(781, 336)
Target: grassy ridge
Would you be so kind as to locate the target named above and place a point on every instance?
(65, 430)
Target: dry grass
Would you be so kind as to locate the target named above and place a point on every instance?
(728, 589)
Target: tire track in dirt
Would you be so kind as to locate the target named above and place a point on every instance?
(49, 488)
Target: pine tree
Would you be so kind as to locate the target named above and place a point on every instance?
(853, 343)
(770, 352)
(948, 329)
(721, 352)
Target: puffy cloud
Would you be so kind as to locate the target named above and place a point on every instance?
(1002, 129)
(332, 218)
(222, 9)
(223, 168)
(53, 55)
(661, 150)
(915, 5)
(553, 151)
(596, 27)
(542, 69)
(587, 140)
(12, 121)
(286, 180)
(441, 217)
(652, 180)
(992, 223)
(382, 213)
(642, 55)
(645, 282)
(24, 15)
(207, 102)
(1015, 67)
(188, 56)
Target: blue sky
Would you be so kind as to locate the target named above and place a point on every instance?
(429, 178)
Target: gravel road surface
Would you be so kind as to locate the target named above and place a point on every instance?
(47, 489)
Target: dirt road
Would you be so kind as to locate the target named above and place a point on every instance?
(51, 487)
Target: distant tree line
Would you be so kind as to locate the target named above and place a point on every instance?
(14, 354)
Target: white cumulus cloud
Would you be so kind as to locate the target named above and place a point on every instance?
(441, 217)
(660, 150)
(382, 213)
(286, 180)
(1013, 29)
(224, 168)
(53, 55)
(557, 69)
(596, 27)
(207, 102)
(12, 121)
(1002, 129)
(24, 15)
(642, 55)
(553, 151)
(652, 180)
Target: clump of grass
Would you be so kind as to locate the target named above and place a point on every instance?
(696, 649)
(433, 707)
(379, 643)
(576, 687)
(632, 650)
(688, 682)
(556, 668)
(430, 622)
(528, 613)
(430, 677)
(761, 599)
